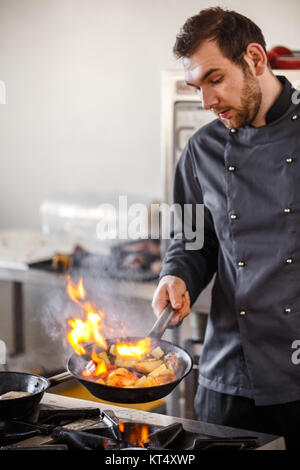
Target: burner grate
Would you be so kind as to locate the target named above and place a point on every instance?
(86, 429)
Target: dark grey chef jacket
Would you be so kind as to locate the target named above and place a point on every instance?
(249, 182)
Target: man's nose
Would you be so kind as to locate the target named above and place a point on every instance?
(209, 99)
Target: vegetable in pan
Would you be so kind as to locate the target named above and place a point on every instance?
(152, 369)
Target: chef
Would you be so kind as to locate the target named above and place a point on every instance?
(245, 168)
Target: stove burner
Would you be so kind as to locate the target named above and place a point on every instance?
(163, 438)
(107, 433)
(113, 423)
(41, 423)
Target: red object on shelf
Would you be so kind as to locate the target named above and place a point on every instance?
(281, 57)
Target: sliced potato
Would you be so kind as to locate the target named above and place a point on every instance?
(121, 378)
(162, 369)
(142, 382)
(147, 366)
(125, 362)
(105, 357)
(156, 367)
(165, 378)
(150, 382)
(101, 381)
(157, 353)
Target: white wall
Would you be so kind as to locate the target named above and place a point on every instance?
(83, 100)
(83, 93)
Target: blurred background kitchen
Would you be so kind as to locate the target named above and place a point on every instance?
(83, 124)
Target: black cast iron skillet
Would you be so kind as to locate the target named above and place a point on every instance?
(37, 385)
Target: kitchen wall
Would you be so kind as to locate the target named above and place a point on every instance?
(82, 108)
(83, 93)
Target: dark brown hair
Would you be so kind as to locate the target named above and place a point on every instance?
(232, 32)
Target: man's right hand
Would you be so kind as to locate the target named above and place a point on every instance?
(172, 289)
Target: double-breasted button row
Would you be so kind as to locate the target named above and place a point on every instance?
(288, 210)
(242, 264)
(233, 168)
(287, 310)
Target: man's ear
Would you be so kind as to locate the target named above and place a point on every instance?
(256, 58)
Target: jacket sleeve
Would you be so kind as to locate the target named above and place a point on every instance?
(195, 267)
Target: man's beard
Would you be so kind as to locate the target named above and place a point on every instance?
(251, 97)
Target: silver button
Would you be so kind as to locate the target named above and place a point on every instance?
(289, 160)
(233, 216)
(288, 310)
(289, 260)
(241, 264)
(287, 210)
(234, 130)
(294, 117)
(243, 312)
(231, 168)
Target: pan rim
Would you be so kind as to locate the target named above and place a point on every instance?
(47, 383)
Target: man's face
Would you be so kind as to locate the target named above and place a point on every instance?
(231, 92)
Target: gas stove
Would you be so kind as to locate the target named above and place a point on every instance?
(63, 423)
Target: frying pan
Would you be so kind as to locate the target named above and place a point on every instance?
(37, 385)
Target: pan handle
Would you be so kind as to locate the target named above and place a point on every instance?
(60, 378)
(162, 322)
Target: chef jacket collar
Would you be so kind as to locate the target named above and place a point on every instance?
(277, 128)
(281, 105)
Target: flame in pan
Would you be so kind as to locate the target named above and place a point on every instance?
(136, 350)
(88, 330)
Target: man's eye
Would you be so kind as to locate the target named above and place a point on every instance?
(215, 82)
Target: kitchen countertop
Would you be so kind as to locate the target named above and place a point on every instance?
(266, 442)
(18, 248)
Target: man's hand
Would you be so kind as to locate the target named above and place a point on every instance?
(172, 289)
